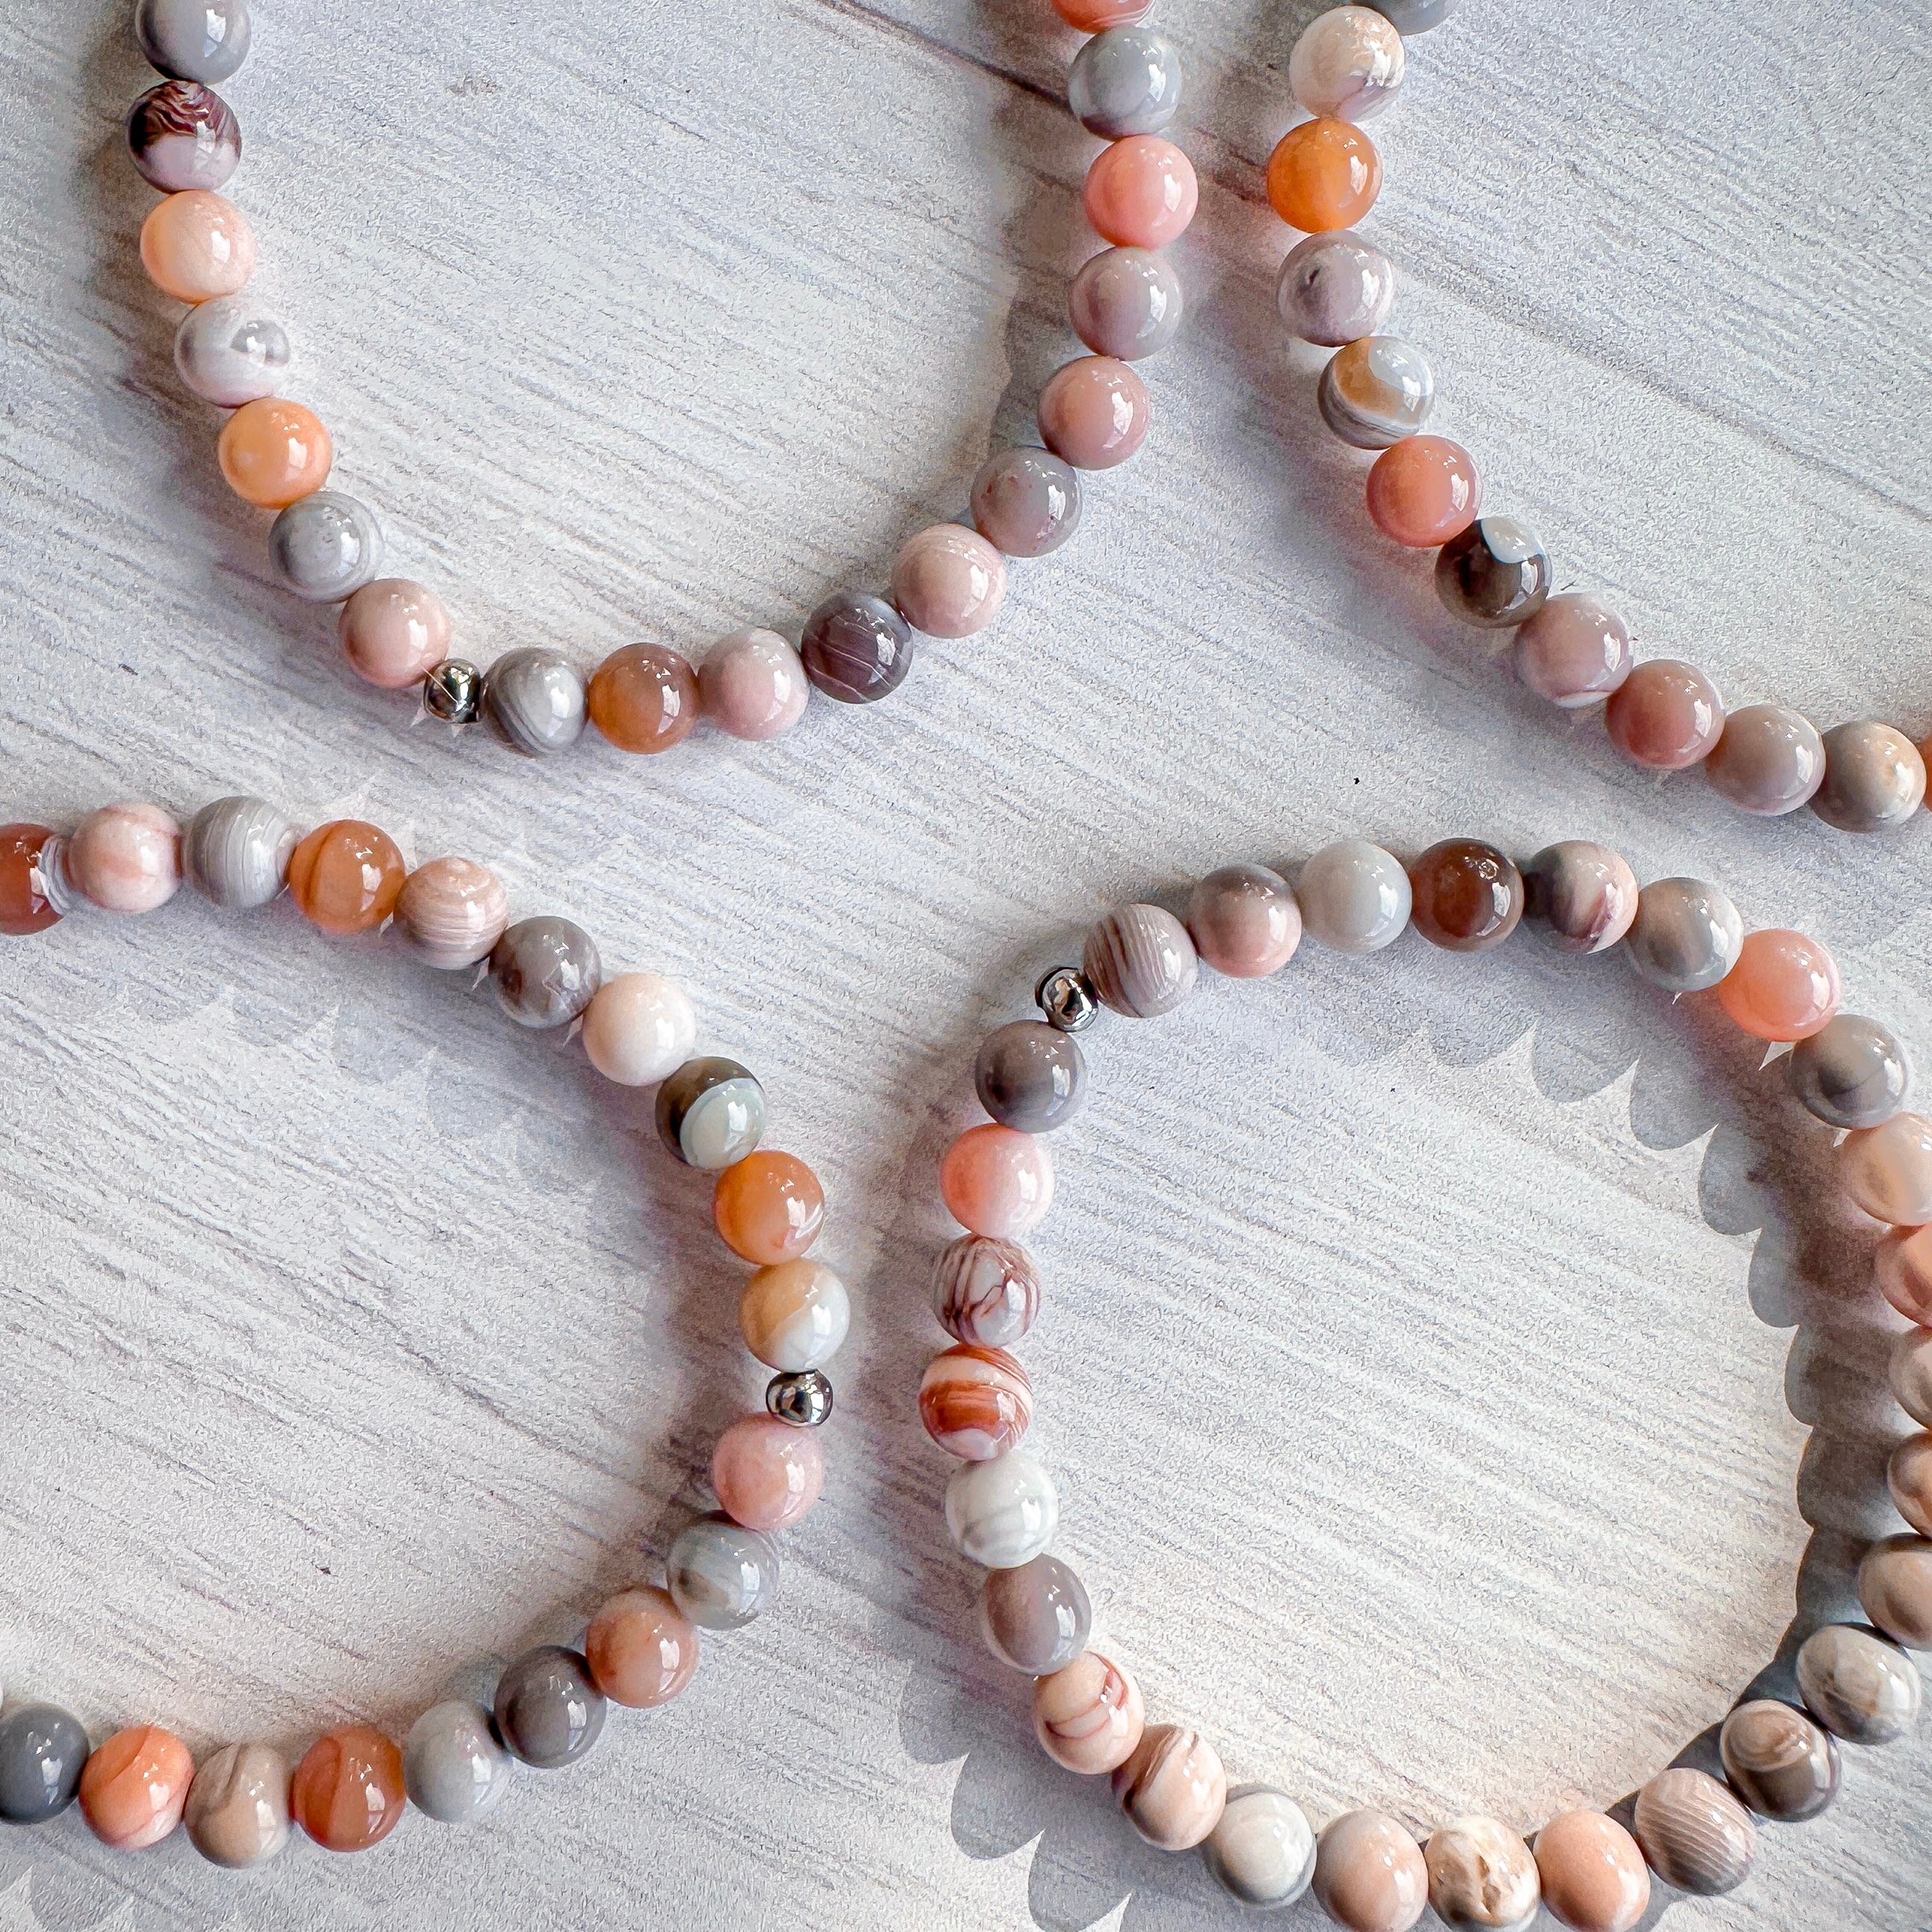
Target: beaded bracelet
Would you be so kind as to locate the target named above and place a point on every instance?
(1424, 491)
(348, 1791)
(1366, 1869)
(948, 580)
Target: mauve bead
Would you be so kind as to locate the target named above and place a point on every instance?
(1695, 1836)
(1141, 193)
(196, 246)
(545, 971)
(24, 907)
(1324, 174)
(856, 648)
(1908, 1474)
(194, 39)
(1349, 63)
(752, 684)
(1035, 1617)
(1768, 759)
(1261, 1850)
(1904, 1268)
(948, 581)
(986, 1291)
(976, 1402)
(1784, 987)
(1853, 1073)
(1003, 1513)
(134, 1786)
(1125, 303)
(1095, 17)
(1687, 935)
(1375, 392)
(768, 1207)
(1482, 1877)
(236, 851)
(767, 1473)
(1910, 1372)
(452, 912)
(346, 876)
(641, 1648)
(1468, 896)
(1370, 1875)
(43, 1753)
(394, 632)
(274, 452)
(453, 1769)
(1026, 502)
(1140, 961)
(1874, 778)
(230, 352)
(1594, 1876)
(997, 1181)
(549, 1710)
(794, 1316)
(237, 1814)
(183, 135)
(1573, 651)
(1335, 288)
(1857, 1685)
(1172, 1788)
(533, 699)
(348, 1791)
(1353, 896)
(325, 546)
(1423, 490)
(1030, 1075)
(1781, 1764)
(1089, 1716)
(1125, 81)
(1244, 922)
(1665, 715)
(644, 698)
(124, 858)
(1494, 574)
(1587, 893)
(638, 1029)
(1094, 413)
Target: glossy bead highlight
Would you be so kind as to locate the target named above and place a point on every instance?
(274, 452)
(768, 1208)
(1423, 490)
(1141, 193)
(1324, 174)
(1785, 986)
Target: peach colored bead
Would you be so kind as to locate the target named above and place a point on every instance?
(948, 581)
(1094, 413)
(1904, 1270)
(1665, 715)
(1141, 193)
(768, 1207)
(196, 246)
(273, 453)
(348, 1790)
(997, 1181)
(134, 1786)
(452, 912)
(642, 1649)
(752, 684)
(1887, 1170)
(346, 876)
(1369, 1873)
(1172, 1788)
(1423, 490)
(1594, 1879)
(124, 858)
(394, 632)
(767, 1473)
(1908, 1476)
(1095, 17)
(1324, 174)
(1088, 1717)
(1784, 986)
(644, 698)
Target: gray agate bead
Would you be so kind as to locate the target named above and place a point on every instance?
(1376, 391)
(711, 1113)
(1335, 288)
(1495, 574)
(1125, 81)
(1857, 1685)
(1778, 1761)
(1140, 961)
(194, 39)
(1687, 935)
(1414, 17)
(1125, 303)
(1853, 1073)
(1031, 1076)
(236, 852)
(1874, 778)
(1262, 1851)
(228, 353)
(720, 1574)
(1035, 1617)
(856, 648)
(534, 700)
(1695, 1835)
(545, 971)
(43, 1752)
(1354, 896)
(324, 547)
(182, 135)
(549, 1710)
(454, 1769)
(1768, 760)
(1026, 502)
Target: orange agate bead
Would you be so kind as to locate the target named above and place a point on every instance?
(768, 1208)
(1784, 986)
(1423, 490)
(134, 1786)
(274, 453)
(346, 876)
(1324, 174)
(23, 907)
(644, 698)
(1095, 17)
(1141, 192)
(348, 1790)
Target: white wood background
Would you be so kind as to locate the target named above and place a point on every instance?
(1459, 1378)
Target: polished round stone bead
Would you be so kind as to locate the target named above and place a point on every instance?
(1030, 1075)
(1324, 174)
(768, 1207)
(237, 1814)
(230, 352)
(1781, 1764)
(1125, 81)
(235, 852)
(1095, 17)
(856, 648)
(533, 699)
(1348, 63)
(194, 39)
(1468, 896)
(1026, 502)
(1853, 1073)
(644, 698)
(641, 1648)
(1594, 1876)
(1895, 1587)
(1585, 892)
(1002, 1513)
(1335, 288)
(997, 1181)
(197, 247)
(1035, 1617)
(346, 876)
(1244, 922)
(1173, 1788)
(767, 1474)
(1125, 303)
(1575, 651)
(452, 912)
(1687, 935)
(1140, 961)
(549, 1710)
(1415, 16)
(986, 1291)
(43, 1752)
(1785, 986)
(1065, 999)
(1910, 1372)
(1141, 193)
(1482, 1877)
(1903, 1263)
(803, 1398)
(274, 452)
(1353, 896)
(795, 1316)
(124, 858)
(453, 1769)
(545, 971)
(183, 135)
(1093, 411)
(1261, 1850)
(1423, 490)
(348, 1793)
(752, 685)
(24, 907)
(710, 1113)
(394, 633)
(1369, 1876)
(976, 1402)
(1089, 1716)
(1857, 1685)
(1908, 1475)
(1768, 760)
(1495, 574)
(1665, 715)
(1874, 778)
(1375, 392)
(948, 581)
(326, 547)
(453, 692)
(1695, 1835)
(638, 1029)
(721, 1575)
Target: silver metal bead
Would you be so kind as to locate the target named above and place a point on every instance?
(1065, 997)
(803, 1399)
(454, 692)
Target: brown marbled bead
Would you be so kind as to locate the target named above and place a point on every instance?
(644, 698)
(1665, 715)
(1173, 1787)
(1140, 961)
(1895, 1587)
(1594, 1876)
(1244, 922)
(348, 1791)
(1857, 1685)
(1089, 1717)
(1695, 1835)
(986, 1291)
(1468, 897)
(24, 907)
(1482, 1877)
(346, 876)
(237, 1814)
(1908, 1476)
(976, 1402)
(1874, 778)
(1369, 1873)
(1586, 892)
(1781, 1764)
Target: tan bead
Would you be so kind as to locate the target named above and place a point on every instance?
(1369, 1873)
(1481, 1874)
(451, 912)
(1089, 1717)
(642, 1649)
(1908, 1476)
(1910, 1373)
(1887, 1170)
(197, 245)
(1695, 1835)
(644, 698)
(1594, 1876)
(134, 1786)
(237, 1806)
(794, 1316)
(394, 632)
(1172, 1788)
(1895, 1587)
(346, 876)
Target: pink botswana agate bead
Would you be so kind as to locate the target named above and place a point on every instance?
(766, 1473)
(949, 581)
(394, 632)
(1094, 413)
(1141, 192)
(1575, 651)
(997, 1181)
(1089, 1717)
(124, 858)
(1784, 986)
(753, 686)
(1665, 715)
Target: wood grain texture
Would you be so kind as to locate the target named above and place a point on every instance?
(1459, 1378)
